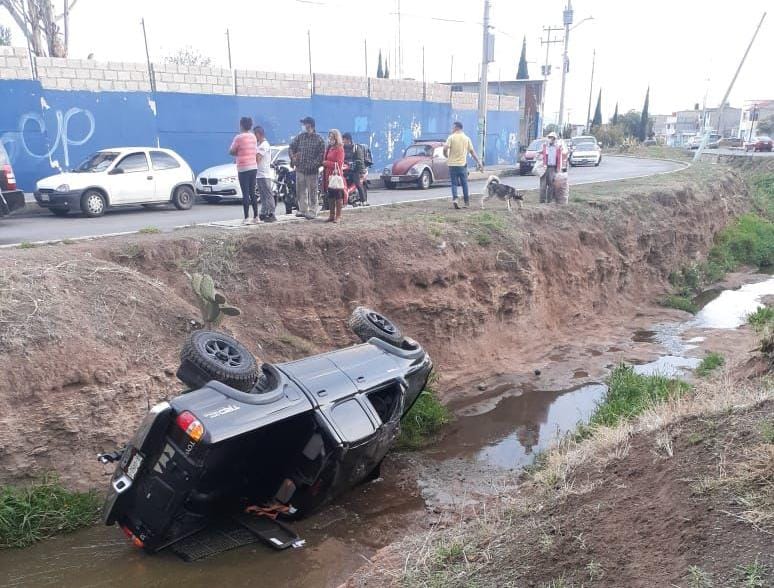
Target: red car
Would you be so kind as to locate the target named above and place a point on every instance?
(11, 198)
(760, 144)
(423, 164)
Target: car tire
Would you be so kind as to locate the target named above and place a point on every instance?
(389, 185)
(209, 355)
(367, 323)
(598, 162)
(425, 180)
(60, 211)
(183, 198)
(93, 203)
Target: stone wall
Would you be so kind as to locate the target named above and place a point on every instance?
(86, 74)
(14, 64)
(267, 83)
(171, 77)
(332, 85)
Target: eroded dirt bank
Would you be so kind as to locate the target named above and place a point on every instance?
(89, 333)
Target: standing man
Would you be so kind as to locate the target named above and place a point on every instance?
(456, 151)
(354, 157)
(552, 159)
(263, 175)
(306, 153)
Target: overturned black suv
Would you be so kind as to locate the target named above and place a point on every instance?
(278, 441)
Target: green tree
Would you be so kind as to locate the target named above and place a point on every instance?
(644, 130)
(523, 73)
(5, 36)
(596, 122)
(764, 127)
(630, 123)
(380, 68)
(386, 68)
(614, 120)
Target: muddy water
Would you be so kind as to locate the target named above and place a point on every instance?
(730, 308)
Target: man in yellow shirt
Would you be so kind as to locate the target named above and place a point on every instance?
(456, 150)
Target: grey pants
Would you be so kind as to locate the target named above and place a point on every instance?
(306, 192)
(266, 196)
(547, 184)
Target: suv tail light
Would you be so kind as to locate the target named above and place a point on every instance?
(8, 179)
(190, 425)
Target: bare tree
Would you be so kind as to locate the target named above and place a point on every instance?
(189, 56)
(5, 36)
(40, 24)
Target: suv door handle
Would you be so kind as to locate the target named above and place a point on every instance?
(149, 178)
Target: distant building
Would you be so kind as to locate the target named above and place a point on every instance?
(664, 128)
(529, 93)
(687, 126)
(754, 111)
(729, 126)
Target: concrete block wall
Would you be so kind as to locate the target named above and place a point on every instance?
(464, 100)
(333, 85)
(86, 74)
(386, 89)
(509, 103)
(14, 64)
(438, 93)
(171, 77)
(266, 83)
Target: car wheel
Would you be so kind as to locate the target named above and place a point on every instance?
(93, 203)
(425, 180)
(183, 197)
(209, 355)
(598, 162)
(60, 211)
(389, 185)
(212, 199)
(367, 323)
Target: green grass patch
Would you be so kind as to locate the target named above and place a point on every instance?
(761, 317)
(27, 245)
(763, 194)
(423, 421)
(149, 230)
(710, 363)
(629, 394)
(680, 303)
(43, 510)
(748, 241)
(767, 432)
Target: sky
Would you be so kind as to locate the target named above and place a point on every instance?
(682, 49)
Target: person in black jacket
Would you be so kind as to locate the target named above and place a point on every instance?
(355, 158)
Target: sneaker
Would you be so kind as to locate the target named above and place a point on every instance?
(256, 221)
(246, 221)
(270, 219)
(467, 205)
(456, 204)
(262, 217)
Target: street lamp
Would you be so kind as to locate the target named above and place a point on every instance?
(567, 17)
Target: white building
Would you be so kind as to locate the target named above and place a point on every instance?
(754, 111)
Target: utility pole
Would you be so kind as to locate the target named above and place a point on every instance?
(151, 77)
(309, 51)
(67, 27)
(400, 51)
(451, 70)
(567, 21)
(591, 90)
(228, 45)
(730, 87)
(546, 70)
(365, 49)
(483, 87)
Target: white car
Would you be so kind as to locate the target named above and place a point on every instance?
(221, 182)
(585, 151)
(124, 176)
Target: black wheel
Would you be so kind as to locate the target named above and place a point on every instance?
(367, 323)
(183, 197)
(209, 355)
(389, 185)
(425, 180)
(60, 211)
(93, 203)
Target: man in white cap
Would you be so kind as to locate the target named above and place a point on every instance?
(552, 159)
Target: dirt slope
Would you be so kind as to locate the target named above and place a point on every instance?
(89, 333)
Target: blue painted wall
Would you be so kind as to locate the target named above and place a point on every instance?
(45, 130)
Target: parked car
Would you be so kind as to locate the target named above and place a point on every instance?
(221, 182)
(761, 143)
(121, 176)
(586, 152)
(730, 143)
(423, 164)
(713, 142)
(281, 440)
(527, 161)
(11, 198)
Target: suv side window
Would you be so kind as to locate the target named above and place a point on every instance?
(134, 162)
(163, 160)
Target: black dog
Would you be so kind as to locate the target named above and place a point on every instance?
(495, 189)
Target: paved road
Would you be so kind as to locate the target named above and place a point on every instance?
(43, 227)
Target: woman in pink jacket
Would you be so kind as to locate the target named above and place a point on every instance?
(244, 148)
(332, 165)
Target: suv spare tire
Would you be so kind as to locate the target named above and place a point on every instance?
(209, 355)
(367, 323)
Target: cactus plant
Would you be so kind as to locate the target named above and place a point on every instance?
(212, 303)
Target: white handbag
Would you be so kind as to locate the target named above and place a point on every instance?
(336, 180)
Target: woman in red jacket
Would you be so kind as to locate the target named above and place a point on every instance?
(332, 164)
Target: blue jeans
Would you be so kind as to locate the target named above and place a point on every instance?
(459, 173)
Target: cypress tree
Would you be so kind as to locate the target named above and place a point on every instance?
(597, 120)
(386, 68)
(643, 131)
(523, 73)
(380, 69)
(615, 115)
